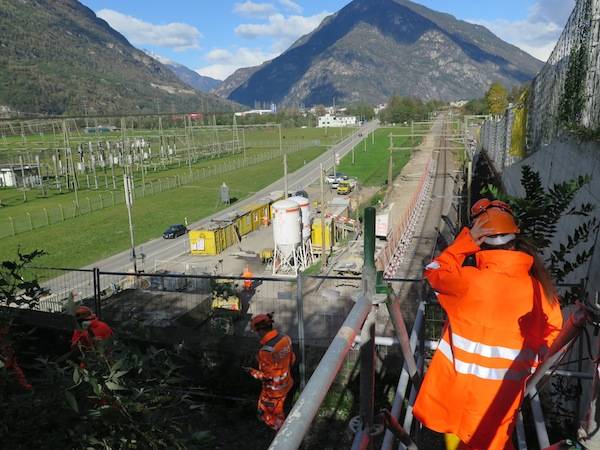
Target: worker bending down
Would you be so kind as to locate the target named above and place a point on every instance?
(275, 361)
(503, 315)
(90, 330)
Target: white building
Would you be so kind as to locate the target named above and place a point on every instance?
(336, 121)
(17, 175)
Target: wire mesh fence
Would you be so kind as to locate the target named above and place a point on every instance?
(570, 75)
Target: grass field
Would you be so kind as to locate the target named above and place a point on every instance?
(370, 166)
(23, 210)
(86, 239)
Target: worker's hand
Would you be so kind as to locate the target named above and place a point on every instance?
(479, 231)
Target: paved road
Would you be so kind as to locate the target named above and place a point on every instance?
(161, 249)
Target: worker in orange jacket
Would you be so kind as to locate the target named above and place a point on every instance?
(248, 282)
(275, 361)
(9, 358)
(90, 330)
(503, 314)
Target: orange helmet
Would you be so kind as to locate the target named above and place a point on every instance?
(484, 204)
(262, 321)
(84, 313)
(501, 223)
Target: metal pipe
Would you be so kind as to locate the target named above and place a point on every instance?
(295, 427)
(393, 305)
(520, 428)
(301, 343)
(369, 238)
(570, 331)
(382, 341)
(367, 374)
(388, 439)
(540, 424)
(414, 390)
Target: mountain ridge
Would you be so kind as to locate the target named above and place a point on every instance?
(372, 49)
(60, 58)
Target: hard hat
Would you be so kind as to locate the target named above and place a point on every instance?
(84, 313)
(261, 321)
(501, 223)
(484, 204)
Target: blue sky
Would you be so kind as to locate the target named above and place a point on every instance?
(216, 37)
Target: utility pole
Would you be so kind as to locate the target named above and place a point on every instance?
(285, 180)
(127, 182)
(323, 251)
(280, 141)
(390, 166)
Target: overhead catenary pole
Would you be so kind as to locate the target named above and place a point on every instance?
(127, 182)
(323, 247)
(285, 177)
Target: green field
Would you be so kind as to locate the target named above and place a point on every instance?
(23, 210)
(85, 239)
(370, 166)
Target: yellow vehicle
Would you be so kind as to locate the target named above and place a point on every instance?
(344, 187)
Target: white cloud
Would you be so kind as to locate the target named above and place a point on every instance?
(280, 27)
(251, 9)
(175, 35)
(226, 62)
(291, 6)
(539, 32)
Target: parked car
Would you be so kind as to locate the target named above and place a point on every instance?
(331, 178)
(175, 231)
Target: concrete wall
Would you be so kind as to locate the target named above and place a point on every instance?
(565, 159)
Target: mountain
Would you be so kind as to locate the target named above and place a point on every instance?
(187, 75)
(57, 57)
(236, 79)
(372, 49)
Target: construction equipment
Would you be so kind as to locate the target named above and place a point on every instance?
(266, 255)
(226, 306)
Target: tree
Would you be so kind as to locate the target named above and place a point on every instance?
(539, 213)
(497, 99)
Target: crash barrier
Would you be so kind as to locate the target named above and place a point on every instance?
(390, 258)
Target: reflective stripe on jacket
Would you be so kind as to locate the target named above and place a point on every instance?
(275, 360)
(498, 323)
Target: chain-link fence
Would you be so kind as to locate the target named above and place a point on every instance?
(567, 86)
(496, 138)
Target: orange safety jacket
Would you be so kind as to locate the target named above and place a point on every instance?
(275, 360)
(97, 330)
(499, 321)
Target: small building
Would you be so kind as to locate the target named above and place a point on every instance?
(329, 120)
(13, 175)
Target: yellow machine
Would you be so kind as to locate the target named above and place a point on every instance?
(226, 306)
(266, 255)
(344, 187)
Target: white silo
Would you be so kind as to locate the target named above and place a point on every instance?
(305, 250)
(304, 205)
(286, 225)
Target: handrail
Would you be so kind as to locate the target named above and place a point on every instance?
(296, 426)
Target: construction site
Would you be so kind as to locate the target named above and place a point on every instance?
(338, 263)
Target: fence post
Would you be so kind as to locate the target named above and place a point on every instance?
(47, 217)
(97, 306)
(12, 225)
(367, 348)
(112, 194)
(30, 222)
(62, 213)
(101, 201)
(89, 205)
(301, 343)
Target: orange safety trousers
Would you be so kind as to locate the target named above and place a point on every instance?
(270, 408)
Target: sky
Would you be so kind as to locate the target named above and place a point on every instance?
(216, 37)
